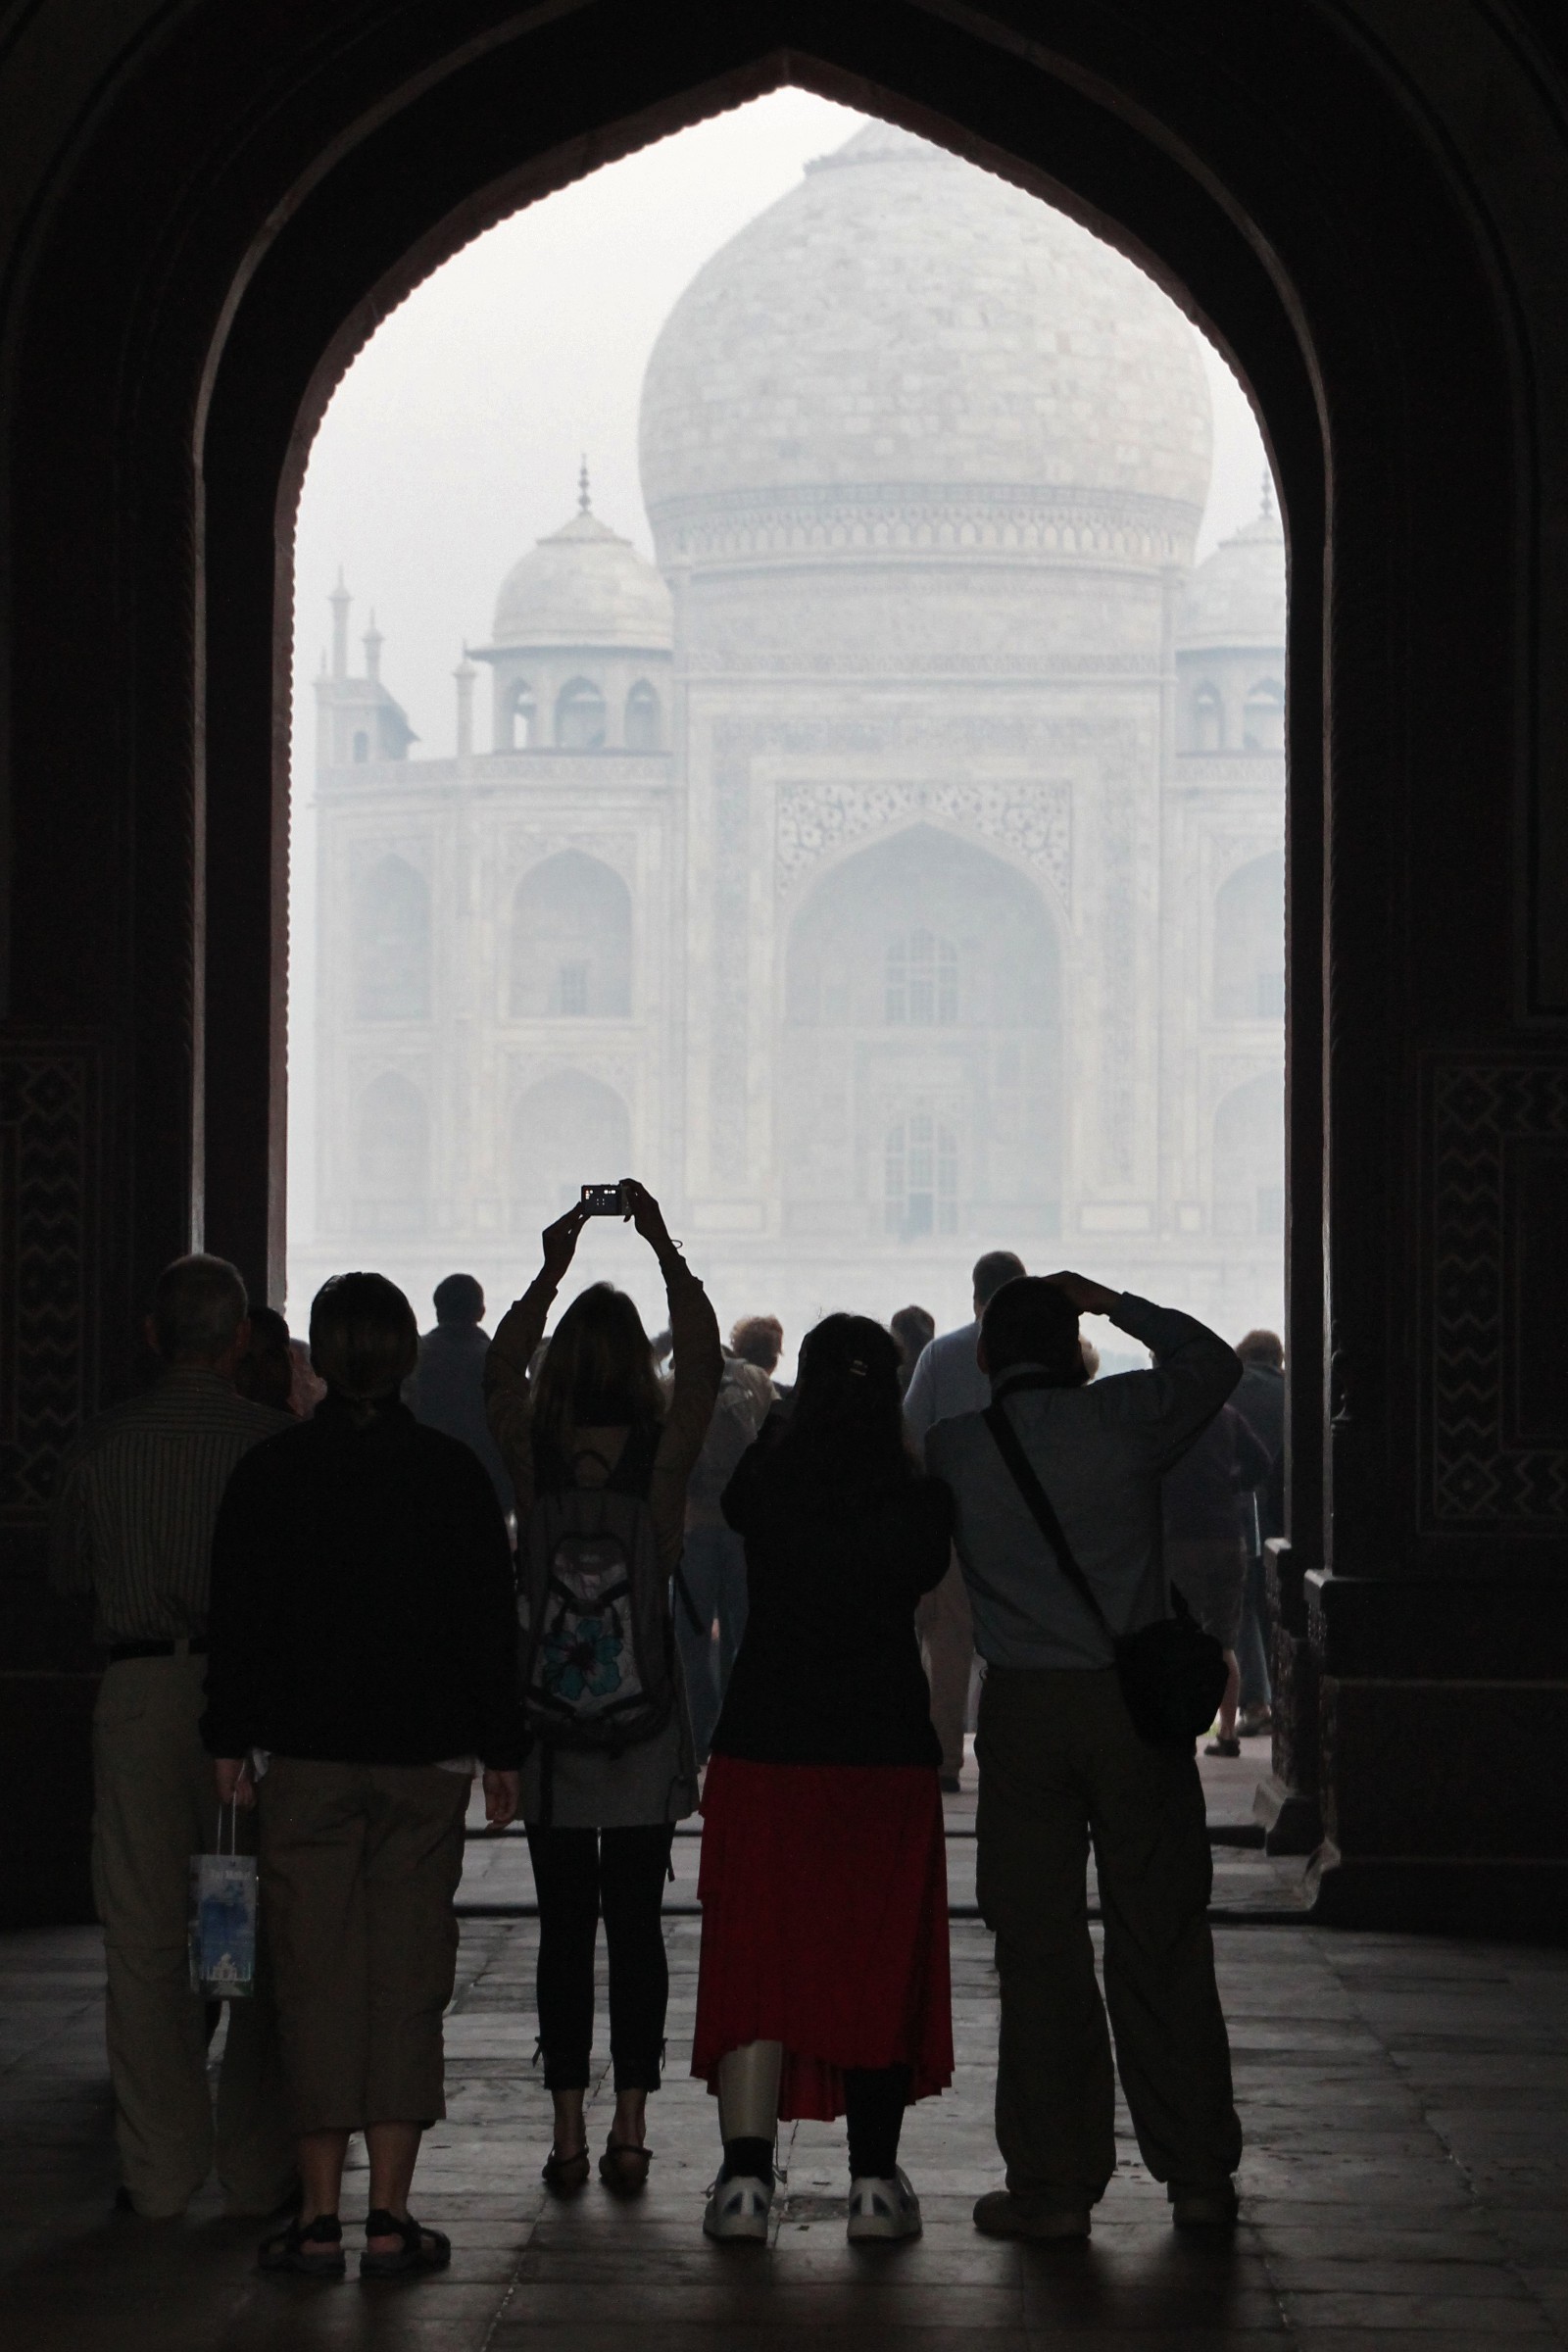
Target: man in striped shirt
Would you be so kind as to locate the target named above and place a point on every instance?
(133, 1527)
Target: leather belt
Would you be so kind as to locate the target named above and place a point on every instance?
(119, 1651)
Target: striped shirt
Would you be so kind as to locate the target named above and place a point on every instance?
(138, 1499)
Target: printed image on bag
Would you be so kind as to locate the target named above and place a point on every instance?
(593, 1607)
(586, 1657)
(222, 1924)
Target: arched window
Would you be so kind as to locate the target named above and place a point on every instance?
(522, 718)
(1208, 719)
(921, 1177)
(571, 940)
(1263, 716)
(580, 718)
(392, 944)
(1249, 942)
(392, 1176)
(642, 719)
(361, 747)
(1249, 1158)
(922, 981)
(567, 1131)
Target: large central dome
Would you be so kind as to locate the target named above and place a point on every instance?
(904, 321)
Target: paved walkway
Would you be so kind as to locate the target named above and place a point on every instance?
(1405, 2184)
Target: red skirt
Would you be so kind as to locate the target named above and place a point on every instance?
(824, 1895)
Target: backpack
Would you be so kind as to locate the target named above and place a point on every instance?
(597, 1665)
(732, 1429)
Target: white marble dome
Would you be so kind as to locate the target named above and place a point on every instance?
(1236, 597)
(584, 585)
(904, 319)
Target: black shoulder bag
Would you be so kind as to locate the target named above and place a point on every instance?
(1172, 1673)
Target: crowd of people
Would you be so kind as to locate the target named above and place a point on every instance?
(620, 1580)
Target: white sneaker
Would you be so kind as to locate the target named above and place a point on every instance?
(738, 2207)
(883, 2208)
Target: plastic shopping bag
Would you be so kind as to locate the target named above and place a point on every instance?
(222, 1920)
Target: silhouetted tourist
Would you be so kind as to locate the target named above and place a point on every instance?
(913, 1330)
(948, 1380)
(600, 1457)
(138, 1499)
(363, 1636)
(447, 1389)
(823, 1987)
(1260, 1401)
(308, 1387)
(265, 1373)
(759, 1341)
(1205, 1557)
(1061, 1764)
(710, 1589)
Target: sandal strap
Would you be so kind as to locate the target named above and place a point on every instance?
(324, 2230)
(378, 2223)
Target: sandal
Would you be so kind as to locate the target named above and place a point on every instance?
(421, 2249)
(291, 2248)
(566, 2174)
(1222, 1746)
(623, 2167)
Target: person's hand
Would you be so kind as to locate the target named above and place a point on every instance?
(559, 1240)
(644, 1211)
(1088, 1297)
(501, 1794)
(234, 1784)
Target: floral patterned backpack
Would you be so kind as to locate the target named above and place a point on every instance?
(597, 1651)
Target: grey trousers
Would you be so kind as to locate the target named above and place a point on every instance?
(155, 1806)
(1060, 1764)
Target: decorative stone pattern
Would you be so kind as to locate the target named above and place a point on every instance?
(920, 521)
(1477, 1108)
(816, 819)
(50, 1133)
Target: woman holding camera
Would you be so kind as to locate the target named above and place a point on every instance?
(823, 1987)
(601, 1808)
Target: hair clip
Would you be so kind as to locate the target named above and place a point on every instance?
(858, 1367)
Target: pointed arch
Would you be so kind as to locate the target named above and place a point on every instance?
(570, 941)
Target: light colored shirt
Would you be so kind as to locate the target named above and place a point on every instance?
(946, 1381)
(1099, 1453)
(138, 1499)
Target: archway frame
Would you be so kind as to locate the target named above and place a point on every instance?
(1288, 191)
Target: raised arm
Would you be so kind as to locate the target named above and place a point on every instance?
(698, 1370)
(1195, 1371)
(508, 1401)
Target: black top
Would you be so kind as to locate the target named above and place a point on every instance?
(1204, 1491)
(829, 1669)
(364, 1608)
(1260, 1401)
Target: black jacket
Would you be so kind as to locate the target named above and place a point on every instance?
(829, 1669)
(363, 1605)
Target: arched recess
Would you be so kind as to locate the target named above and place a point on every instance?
(391, 1157)
(522, 719)
(1248, 1162)
(580, 718)
(644, 718)
(1249, 942)
(923, 1018)
(391, 943)
(570, 941)
(566, 1131)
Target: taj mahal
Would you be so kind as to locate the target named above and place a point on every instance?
(894, 868)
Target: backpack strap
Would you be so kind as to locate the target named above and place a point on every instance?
(1043, 1511)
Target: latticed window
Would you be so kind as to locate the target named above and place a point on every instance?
(922, 981)
(921, 1177)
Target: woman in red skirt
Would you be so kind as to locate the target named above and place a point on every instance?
(824, 1971)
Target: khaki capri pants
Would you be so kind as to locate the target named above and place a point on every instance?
(358, 1865)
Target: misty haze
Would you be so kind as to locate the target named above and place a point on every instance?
(866, 823)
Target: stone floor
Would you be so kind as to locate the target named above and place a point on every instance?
(1405, 2183)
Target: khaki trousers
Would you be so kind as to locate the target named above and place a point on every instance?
(359, 1866)
(947, 1636)
(1060, 1764)
(155, 1806)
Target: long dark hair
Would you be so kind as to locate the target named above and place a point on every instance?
(846, 1421)
(598, 1373)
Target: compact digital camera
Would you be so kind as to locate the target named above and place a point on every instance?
(603, 1201)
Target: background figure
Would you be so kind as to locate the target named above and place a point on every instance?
(1260, 1401)
(759, 1341)
(948, 1380)
(133, 1526)
(915, 1330)
(265, 1372)
(712, 1590)
(306, 1388)
(1204, 1555)
(447, 1388)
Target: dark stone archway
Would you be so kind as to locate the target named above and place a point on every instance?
(222, 215)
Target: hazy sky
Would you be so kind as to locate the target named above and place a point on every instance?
(453, 441)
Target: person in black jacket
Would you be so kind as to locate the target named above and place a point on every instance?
(823, 1985)
(362, 1647)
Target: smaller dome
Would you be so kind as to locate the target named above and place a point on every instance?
(584, 585)
(1236, 597)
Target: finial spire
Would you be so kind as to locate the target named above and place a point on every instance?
(582, 485)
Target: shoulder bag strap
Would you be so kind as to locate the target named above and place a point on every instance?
(1044, 1513)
